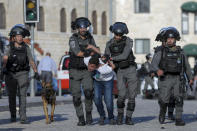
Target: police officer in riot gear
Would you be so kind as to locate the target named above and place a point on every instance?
(168, 64)
(120, 50)
(16, 60)
(81, 44)
(160, 37)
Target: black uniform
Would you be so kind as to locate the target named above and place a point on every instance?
(17, 77)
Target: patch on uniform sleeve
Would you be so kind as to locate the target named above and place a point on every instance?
(72, 44)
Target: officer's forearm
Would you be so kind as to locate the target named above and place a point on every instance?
(95, 49)
(122, 56)
(80, 54)
(33, 65)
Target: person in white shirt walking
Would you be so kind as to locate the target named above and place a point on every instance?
(46, 68)
(103, 85)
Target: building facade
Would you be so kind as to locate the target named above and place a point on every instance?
(54, 29)
(144, 19)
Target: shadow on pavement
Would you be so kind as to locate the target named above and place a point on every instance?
(189, 118)
(137, 120)
(4, 121)
(12, 129)
(57, 117)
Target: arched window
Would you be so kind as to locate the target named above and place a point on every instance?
(185, 23)
(40, 25)
(62, 20)
(2, 16)
(94, 22)
(73, 16)
(104, 24)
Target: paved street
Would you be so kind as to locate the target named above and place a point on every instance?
(145, 118)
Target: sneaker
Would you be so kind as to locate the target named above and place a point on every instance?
(101, 121)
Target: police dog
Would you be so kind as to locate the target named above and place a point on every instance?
(48, 97)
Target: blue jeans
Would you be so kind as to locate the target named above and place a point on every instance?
(104, 88)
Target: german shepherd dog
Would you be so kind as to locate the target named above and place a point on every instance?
(48, 97)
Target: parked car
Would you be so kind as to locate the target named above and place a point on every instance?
(63, 74)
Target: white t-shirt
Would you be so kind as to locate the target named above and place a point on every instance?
(103, 73)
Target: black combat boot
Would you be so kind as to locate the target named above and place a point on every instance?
(162, 113)
(89, 118)
(179, 122)
(162, 116)
(81, 121)
(13, 118)
(171, 116)
(120, 119)
(129, 121)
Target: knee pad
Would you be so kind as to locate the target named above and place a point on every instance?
(76, 101)
(130, 106)
(120, 104)
(88, 94)
(179, 101)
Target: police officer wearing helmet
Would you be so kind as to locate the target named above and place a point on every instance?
(160, 38)
(168, 63)
(17, 58)
(81, 45)
(120, 50)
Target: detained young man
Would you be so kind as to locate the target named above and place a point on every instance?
(103, 86)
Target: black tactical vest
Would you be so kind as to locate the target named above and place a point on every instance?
(116, 48)
(77, 62)
(171, 60)
(18, 59)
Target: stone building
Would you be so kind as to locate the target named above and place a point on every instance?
(53, 31)
(144, 19)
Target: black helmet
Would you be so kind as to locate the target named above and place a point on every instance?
(148, 56)
(119, 28)
(19, 29)
(172, 32)
(160, 35)
(81, 22)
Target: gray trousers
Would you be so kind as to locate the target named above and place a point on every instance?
(127, 85)
(46, 76)
(17, 82)
(148, 81)
(170, 86)
(77, 79)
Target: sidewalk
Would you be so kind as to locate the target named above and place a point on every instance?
(35, 101)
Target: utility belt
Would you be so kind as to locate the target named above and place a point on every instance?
(18, 69)
(125, 64)
(169, 75)
(172, 73)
